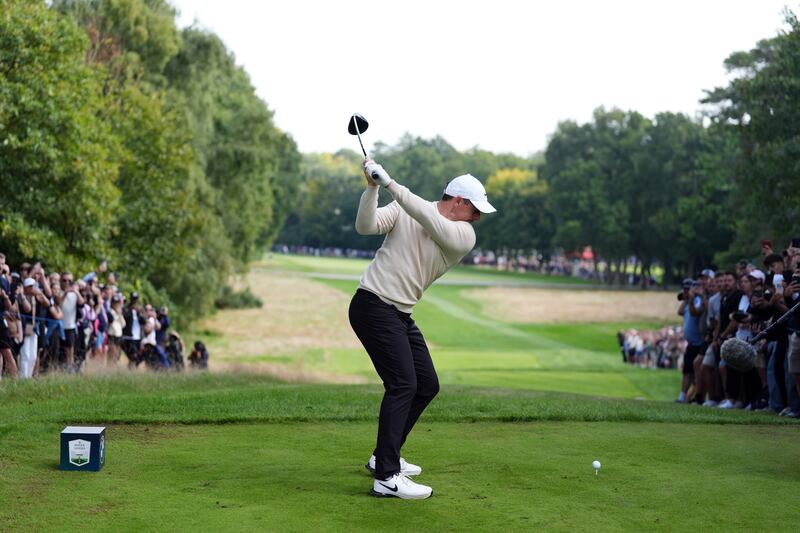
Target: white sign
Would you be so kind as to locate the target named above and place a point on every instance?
(79, 452)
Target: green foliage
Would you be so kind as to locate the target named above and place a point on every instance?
(760, 105)
(658, 190)
(134, 38)
(525, 222)
(122, 138)
(57, 168)
(244, 299)
(330, 188)
(332, 185)
(251, 166)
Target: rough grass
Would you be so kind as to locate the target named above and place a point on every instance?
(236, 398)
(541, 306)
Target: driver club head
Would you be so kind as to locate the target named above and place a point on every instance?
(357, 124)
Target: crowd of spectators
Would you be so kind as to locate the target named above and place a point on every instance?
(661, 348)
(55, 322)
(325, 251)
(557, 264)
(738, 303)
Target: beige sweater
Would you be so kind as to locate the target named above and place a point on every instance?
(420, 245)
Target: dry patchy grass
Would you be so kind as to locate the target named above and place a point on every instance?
(298, 314)
(529, 305)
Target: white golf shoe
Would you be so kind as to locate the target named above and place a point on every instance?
(405, 468)
(399, 486)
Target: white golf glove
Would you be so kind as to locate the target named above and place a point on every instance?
(377, 173)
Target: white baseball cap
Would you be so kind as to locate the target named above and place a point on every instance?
(29, 282)
(467, 186)
(757, 274)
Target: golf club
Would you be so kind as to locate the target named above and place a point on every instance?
(356, 126)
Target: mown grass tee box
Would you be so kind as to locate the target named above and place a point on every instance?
(83, 448)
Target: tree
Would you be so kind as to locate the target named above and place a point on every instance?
(761, 105)
(133, 38)
(252, 166)
(331, 185)
(57, 169)
(524, 221)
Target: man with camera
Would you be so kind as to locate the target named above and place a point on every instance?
(692, 307)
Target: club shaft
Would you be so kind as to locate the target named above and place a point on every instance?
(778, 322)
(362, 144)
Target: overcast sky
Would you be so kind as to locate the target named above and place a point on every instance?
(498, 74)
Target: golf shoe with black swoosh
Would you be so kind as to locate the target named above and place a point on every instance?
(399, 486)
(406, 468)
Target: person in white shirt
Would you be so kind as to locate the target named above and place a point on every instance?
(423, 241)
(70, 303)
(149, 344)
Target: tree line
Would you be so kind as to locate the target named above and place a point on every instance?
(671, 190)
(125, 138)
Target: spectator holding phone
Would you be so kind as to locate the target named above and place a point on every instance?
(692, 307)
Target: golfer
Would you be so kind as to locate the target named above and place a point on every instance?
(423, 241)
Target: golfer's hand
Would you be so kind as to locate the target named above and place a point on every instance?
(376, 173)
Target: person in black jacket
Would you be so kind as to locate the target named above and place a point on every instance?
(132, 334)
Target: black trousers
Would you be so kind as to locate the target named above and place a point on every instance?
(402, 360)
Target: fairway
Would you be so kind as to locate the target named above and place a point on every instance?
(481, 331)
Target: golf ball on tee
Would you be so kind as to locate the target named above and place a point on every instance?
(596, 465)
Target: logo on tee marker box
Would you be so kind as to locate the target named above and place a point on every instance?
(79, 452)
(83, 448)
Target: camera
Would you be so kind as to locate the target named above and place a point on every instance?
(796, 278)
(768, 294)
(758, 294)
(740, 315)
(680, 296)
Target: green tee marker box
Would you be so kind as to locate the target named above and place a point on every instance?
(83, 448)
